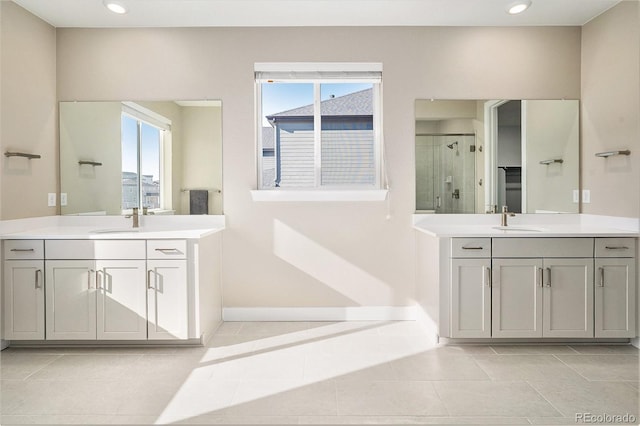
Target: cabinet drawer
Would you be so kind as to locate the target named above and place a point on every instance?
(542, 247)
(166, 249)
(471, 247)
(615, 247)
(95, 249)
(24, 249)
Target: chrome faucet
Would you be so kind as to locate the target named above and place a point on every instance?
(505, 214)
(135, 217)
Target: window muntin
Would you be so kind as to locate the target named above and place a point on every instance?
(319, 129)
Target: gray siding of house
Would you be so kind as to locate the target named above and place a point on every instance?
(296, 159)
(348, 157)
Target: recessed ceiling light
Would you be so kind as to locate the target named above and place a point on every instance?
(518, 7)
(116, 7)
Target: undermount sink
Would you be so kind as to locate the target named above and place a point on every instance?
(519, 228)
(115, 231)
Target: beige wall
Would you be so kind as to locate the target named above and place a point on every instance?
(303, 254)
(28, 116)
(202, 149)
(90, 131)
(318, 254)
(610, 114)
(551, 132)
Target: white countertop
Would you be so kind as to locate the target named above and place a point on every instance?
(96, 233)
(112, 228)
(530, 226)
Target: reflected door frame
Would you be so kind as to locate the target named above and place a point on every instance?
(491, 154)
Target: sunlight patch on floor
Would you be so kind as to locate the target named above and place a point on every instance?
(278, 364)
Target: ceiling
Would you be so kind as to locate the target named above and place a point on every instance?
(234, 13)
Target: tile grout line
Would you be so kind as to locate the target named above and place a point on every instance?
(572, 369)
(42, 367)
(435, 389)
(543, 397)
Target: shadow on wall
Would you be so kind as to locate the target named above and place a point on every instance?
(327, 267)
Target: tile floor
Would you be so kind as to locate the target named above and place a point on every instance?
(319, 373)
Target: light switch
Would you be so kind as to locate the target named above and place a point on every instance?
(586, 196)
(576, 196)
(63, 198)
(51, 199)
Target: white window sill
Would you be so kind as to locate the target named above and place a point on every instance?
(319, 195)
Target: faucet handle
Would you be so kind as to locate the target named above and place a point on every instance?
(135, 211)
(505, 210)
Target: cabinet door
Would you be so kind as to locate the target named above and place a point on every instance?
(121, 300)
(70, 300)
(24, 300)
(516, 298)
(471, 298)
(568, 298)
(167, 299)
(615, 295)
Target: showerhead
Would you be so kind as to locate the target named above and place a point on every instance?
(451, 145)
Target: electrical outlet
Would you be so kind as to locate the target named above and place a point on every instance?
(51, 199)
(586, 196)
(576, 196)
(63, 198)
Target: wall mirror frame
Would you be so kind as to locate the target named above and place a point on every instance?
(474, 156)
(162, 155)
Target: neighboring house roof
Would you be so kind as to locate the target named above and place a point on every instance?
(268, 138)
(354, 104)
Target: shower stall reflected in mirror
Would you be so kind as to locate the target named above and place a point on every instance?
(445, 173)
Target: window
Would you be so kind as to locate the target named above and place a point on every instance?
(143, 135)
(319, 126)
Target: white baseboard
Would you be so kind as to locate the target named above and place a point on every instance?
(351, 313)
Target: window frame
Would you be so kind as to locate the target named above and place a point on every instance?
(144, 115)
(318, 74)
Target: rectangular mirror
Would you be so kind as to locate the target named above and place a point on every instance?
(475, 156)
(165, 156)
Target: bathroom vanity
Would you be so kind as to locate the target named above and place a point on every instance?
(575, 279)
(83, 280)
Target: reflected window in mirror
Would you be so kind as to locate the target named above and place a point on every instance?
(142, 182)
(164, 155)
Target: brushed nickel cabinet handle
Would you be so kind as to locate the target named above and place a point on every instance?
(541, 277)
(149, 271)
(98, 280)
(174, 250)
(22, 250)
(616, 247)
(89, 273)
(472, 248)
(601, 270)
(548, 277)
(38, 275)
(488, 277)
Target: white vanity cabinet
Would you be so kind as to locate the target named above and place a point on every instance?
(542, 287)
(23, 301)
(167, 289)
(471, 288)
(563, 282)
(615, 287)
(95, 290)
